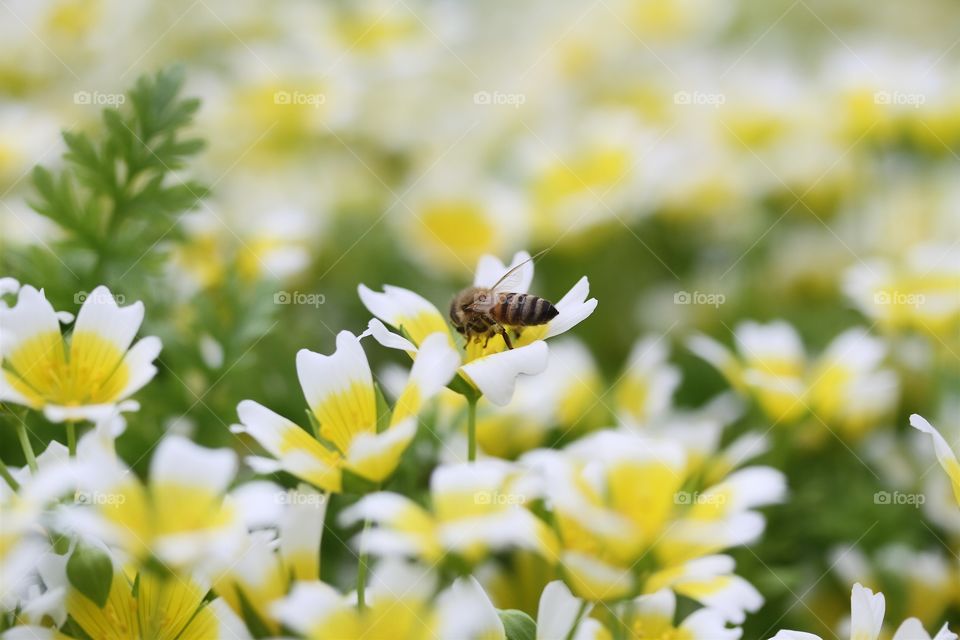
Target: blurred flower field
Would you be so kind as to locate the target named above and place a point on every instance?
(237, 402)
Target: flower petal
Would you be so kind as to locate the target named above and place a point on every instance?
(296, 450)
(376, 455)
(558, 611)
(573, 308)
(435, 365)
(101, 316)
(490, 270)
(139, 364)
(945, 455)
(402, 308)
(180, 461)
(496, 375)
(339, 390)
(387, 338)
(866, 613)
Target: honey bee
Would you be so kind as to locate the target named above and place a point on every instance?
(482, 312)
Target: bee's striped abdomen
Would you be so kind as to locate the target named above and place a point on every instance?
(524, 309)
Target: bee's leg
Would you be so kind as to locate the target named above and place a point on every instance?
(506, 336)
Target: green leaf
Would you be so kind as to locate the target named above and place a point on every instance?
(90, 571)
(517, 624)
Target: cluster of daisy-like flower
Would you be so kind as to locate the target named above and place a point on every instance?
(605, 532)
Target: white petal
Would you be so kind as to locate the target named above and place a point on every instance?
(572, 308)
(466, 611)
(707, 624)
(9, 285)
(856, 350)
(382, 506)
(139, 362)
(101, 315)
(866, 613)
(180, 461)
(945, 454)
(712, 351)
(301, 524)
(30, 316)
(496, 375)
(92, 412)
(307, 606)
(322, 376)
(394, 304)
(795, 635)
(557, 611)
(911, 629)
(776, 340)
(387, 338)
(380, 452)
(490, 270)
(229, 624)
(435, 365)
(662, 604)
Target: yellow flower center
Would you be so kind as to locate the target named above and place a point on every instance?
(94, 372)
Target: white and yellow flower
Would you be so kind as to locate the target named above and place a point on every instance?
(400, 604)
(845, 387)
(489, 367)
(153, 605)
(342, 400)
(282, 547)
(181, 516)
(866, 621)
(921, 292)
(87, 376)
(476, 508)
(945, 454)
(24, 541)
(648, 617)
(927, 579)
(619, 498)
(645, 389)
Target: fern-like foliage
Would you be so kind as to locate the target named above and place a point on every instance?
(118, 195)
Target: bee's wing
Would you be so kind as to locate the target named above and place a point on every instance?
(513, 280)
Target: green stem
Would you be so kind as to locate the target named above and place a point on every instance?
(25, 445)
(362, 570)
(6, 475)
(72, 439)
(471, 429)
